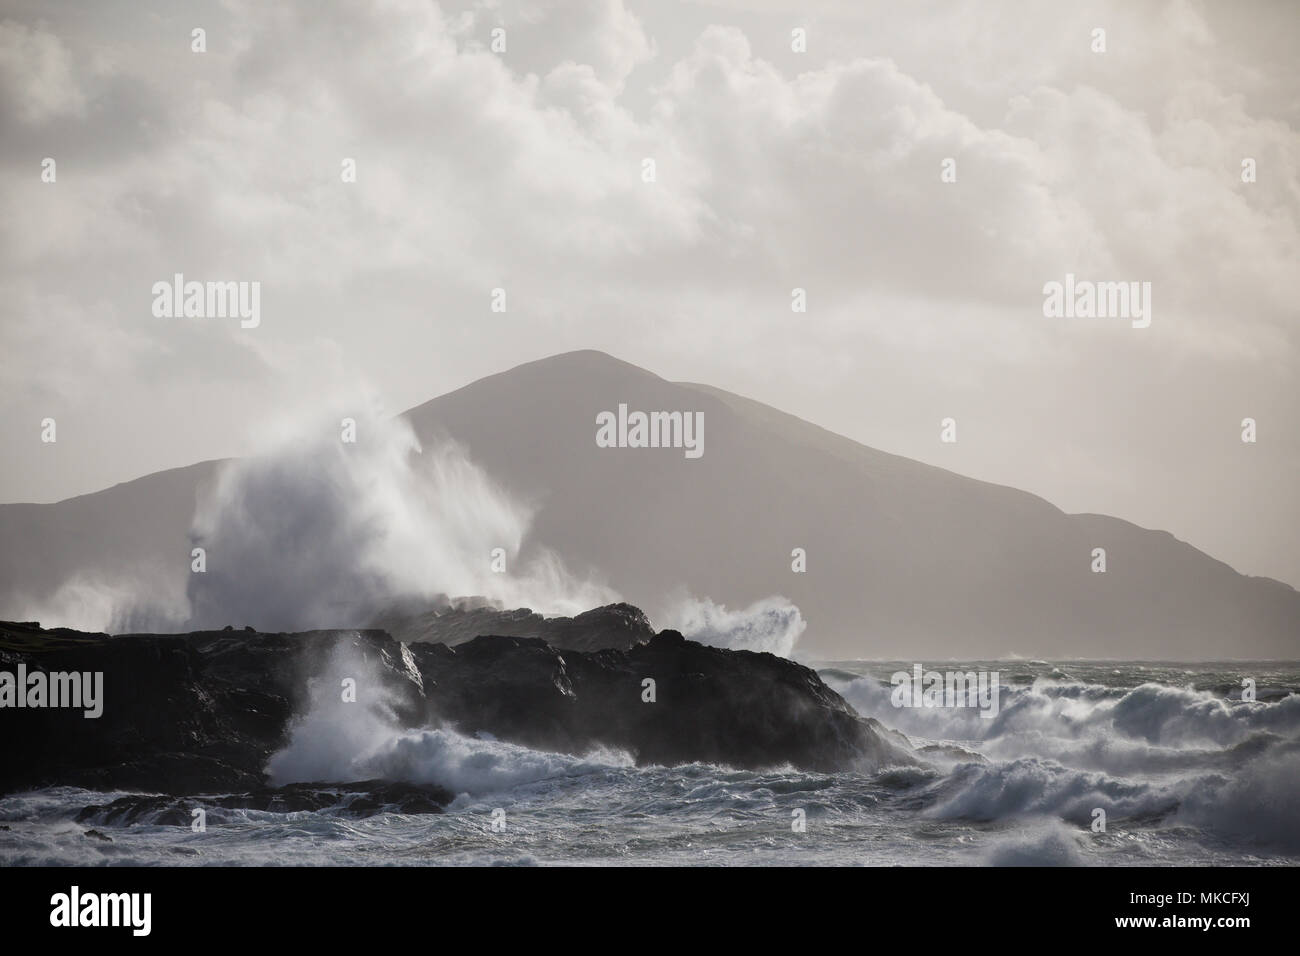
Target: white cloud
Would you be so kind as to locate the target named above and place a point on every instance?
(523, 170)
(37, 78)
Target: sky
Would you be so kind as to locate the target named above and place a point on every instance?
(523, 169)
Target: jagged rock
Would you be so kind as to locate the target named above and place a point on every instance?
(614, 625)
(183, 713)
(711, 705)
(204, 712)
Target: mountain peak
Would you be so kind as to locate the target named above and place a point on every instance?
(882, 556)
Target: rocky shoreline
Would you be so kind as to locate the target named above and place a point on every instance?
(204, 712)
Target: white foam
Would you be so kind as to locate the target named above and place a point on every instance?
(1044, 843)
(338, 741)
(772, 624)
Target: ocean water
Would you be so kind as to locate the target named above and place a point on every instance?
(1185, 771)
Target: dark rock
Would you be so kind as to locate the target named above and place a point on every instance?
(203, 712)
(186, 713)
(96, 835)
(614, 625)
(711, 705)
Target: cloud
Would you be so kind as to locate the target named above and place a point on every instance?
(37, 76)
(522, 170)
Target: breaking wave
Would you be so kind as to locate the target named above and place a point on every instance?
(363, 739)
(321, 532)
(1060, 749)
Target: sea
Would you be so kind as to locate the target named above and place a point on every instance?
(1086, 763)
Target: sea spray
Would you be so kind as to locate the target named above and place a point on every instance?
(338, 739)
(323, 532)
(771, 624)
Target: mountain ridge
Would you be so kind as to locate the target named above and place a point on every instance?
(903, 556)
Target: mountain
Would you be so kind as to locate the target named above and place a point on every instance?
(904, 560)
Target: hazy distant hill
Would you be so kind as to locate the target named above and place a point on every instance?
(904, 559)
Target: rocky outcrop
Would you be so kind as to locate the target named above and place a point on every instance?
(182, 713)
(614, 625)
(204, 712)
(710, 705)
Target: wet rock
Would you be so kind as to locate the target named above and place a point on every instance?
(202, 713)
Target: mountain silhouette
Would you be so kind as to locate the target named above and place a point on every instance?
(904, 560)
